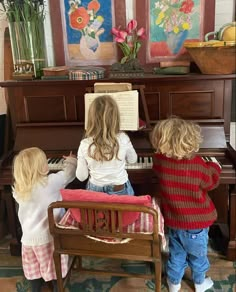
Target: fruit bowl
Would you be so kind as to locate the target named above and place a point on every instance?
(213, 57)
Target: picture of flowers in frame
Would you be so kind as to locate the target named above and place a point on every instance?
(170, 23)
(87, 35)
(60, 26)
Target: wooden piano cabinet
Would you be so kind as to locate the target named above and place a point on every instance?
(50, 114)
(195, 96)
(231, 252)
(12, 221)
(3, 226)
(220, 197)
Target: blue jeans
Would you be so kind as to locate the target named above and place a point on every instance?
(127, 190)
(187, 248)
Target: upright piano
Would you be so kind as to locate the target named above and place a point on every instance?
(50, 115)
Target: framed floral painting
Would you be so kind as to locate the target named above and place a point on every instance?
(169, 23)
(81, 31)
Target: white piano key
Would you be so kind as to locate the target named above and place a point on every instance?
(213, 159)
(150, 162)
(60, 164)
(145, 162)
(205, 158)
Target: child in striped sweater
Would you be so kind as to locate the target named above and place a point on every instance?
(185, 178)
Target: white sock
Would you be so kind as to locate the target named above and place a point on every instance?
(207, 284)
(173, 287)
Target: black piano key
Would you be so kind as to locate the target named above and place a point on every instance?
(50, 160)
(54, 160)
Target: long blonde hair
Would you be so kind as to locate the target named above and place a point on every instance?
(103, 126)
(29, 168)
(176, 138)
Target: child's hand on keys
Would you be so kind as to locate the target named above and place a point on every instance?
(70, 155)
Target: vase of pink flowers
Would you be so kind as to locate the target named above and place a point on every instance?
(129, 41)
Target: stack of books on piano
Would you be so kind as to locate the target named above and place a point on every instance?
(86, 73)
(55, 73)
(74, 73)
(173, 68)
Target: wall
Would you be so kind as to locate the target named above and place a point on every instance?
(3, 24)
(224, 13)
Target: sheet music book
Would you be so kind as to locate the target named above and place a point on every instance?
(128, 106)
(107, 87)
(213, 137)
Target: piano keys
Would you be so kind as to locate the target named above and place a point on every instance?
(143, 162)
(213, 159)
(56, 163)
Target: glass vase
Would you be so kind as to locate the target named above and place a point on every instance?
(28, 48)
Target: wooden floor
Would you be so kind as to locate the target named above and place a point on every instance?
(221, 271)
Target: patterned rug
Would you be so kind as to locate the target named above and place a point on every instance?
(12, 279)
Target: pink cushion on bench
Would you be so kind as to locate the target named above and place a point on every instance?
(98, 197)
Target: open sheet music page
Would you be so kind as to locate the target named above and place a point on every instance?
(213, 137)
(108, 87)
(128, 106)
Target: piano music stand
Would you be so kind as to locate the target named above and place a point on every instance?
(140, 89)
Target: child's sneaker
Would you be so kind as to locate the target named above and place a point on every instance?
(173, 287)
(207, 284)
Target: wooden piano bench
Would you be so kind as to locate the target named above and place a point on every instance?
(101, 232)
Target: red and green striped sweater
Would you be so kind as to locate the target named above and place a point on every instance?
(184, 185)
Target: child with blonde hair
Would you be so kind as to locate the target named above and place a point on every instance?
(34, 190)
(185, 178)
(103, 153)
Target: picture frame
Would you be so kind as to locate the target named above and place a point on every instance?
(63, 34)
(196, 16)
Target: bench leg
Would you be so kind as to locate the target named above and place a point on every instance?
(57, 262)
(157, 265)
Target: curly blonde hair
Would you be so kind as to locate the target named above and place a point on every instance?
(29, 168)
(176, 138)
(103, 126)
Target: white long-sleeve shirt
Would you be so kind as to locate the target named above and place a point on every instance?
(33, 214)
(107, 172)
